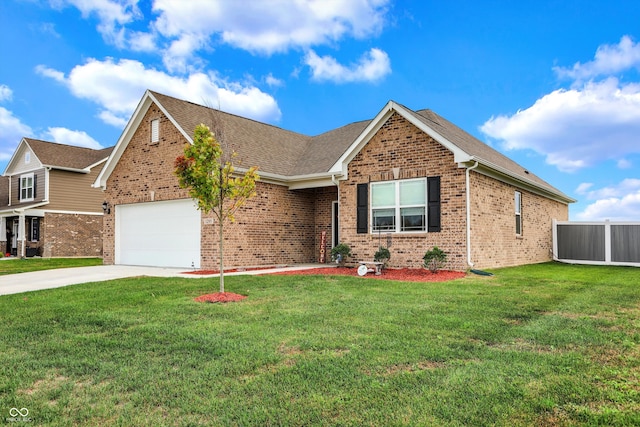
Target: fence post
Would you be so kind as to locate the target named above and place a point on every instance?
(607, 241)
(554, 245)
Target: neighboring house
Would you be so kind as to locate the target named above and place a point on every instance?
(407, 179)
(47, 204)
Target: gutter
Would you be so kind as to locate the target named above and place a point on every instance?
(468, 190)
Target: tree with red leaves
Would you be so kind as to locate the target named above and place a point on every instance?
(213, 181)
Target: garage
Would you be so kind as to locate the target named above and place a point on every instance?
(161, 234)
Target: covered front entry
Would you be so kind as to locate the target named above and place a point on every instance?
(161, 234)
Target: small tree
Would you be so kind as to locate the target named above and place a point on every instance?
(212, 182)
(434, 259)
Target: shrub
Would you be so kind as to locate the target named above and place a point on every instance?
(340, 252)
(383, 255)
(434, 259)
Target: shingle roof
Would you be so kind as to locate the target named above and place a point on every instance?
(66, 156)
(291, 154)
(475, 147)
(273, 149)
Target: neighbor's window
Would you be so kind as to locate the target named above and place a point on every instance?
(155, 130)
(399, 205)
(27, 157)
(26, 187)
(518, 203)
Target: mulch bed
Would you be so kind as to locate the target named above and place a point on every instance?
(401, 274)
(220, 297)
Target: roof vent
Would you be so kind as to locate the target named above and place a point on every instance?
(526, 171)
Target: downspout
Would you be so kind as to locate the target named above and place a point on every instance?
(337, 184)
(469, 214)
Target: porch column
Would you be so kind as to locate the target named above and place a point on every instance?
(4, 244)
(21, 236)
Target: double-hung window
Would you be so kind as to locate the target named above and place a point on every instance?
(26, 187)
(518, 208)
(399, 206)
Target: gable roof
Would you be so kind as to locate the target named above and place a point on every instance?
(62, 156)
(302, 161)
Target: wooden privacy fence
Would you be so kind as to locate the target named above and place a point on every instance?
(604, 243)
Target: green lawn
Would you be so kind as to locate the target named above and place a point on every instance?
(546, 345)
(17, 265)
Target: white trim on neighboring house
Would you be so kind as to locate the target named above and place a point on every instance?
(46, 183)
(45, 211)
(24, 177)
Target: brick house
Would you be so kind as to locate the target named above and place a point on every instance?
(47, 205)
(406, 179)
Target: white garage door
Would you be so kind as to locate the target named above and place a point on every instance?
(162, 234)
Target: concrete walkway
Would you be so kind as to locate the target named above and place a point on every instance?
(47, 279)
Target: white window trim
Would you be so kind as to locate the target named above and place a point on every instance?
(27, 157)
(397, 208)
(22, 187)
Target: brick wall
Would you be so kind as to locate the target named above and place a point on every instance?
(493, 234)
(324, 199)
(71, 235)
(274, 227)
(399, 144)
(277, 226)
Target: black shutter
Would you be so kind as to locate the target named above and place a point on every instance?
(363, 208)
(433, 203)
(35, 181)
(19, 189)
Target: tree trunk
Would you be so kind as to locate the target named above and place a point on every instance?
(221, 260)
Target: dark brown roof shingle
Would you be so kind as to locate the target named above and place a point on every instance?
(66, 156)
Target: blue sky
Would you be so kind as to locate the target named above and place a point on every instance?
(555, 85)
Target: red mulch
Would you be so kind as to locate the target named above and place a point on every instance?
(220, 297)
(401, 274)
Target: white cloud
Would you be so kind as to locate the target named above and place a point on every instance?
(608, 60)
(112, 15)
(620, 202)
(263, 27)
(5, 93)
(624, 164)
(12, 130)
(118, 86)
(273, 81)
(372, 66)
(73, 137)
(584, 187)
(575, 128)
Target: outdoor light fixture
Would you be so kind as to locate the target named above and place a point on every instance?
(105, 207)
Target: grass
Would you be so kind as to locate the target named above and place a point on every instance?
(548, 344)
(17, 265)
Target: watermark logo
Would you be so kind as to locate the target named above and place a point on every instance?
(19, 415)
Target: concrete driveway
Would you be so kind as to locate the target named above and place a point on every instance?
(47, 279)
